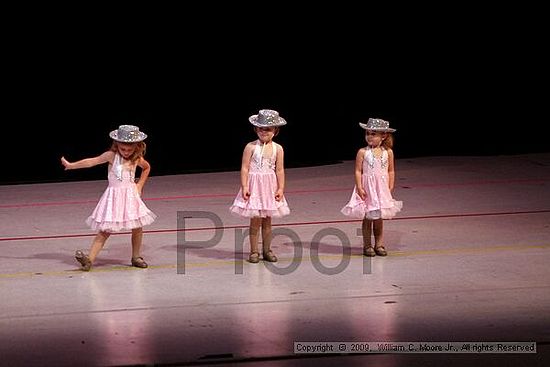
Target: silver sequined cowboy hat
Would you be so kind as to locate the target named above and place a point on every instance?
(267, 118)
(128, 134)
(377, 125)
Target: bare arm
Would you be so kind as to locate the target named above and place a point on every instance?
(89, 162)
(145, 170)
(391, 170)
(359, 172)
(280, 173)
(245, 164)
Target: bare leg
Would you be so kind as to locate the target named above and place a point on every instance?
(254, 234)
(266, 240)
(137, 239)
(86, 261)
(379, 237)
(97, 245)
(378, 232)
(266, 234)
(366, 229)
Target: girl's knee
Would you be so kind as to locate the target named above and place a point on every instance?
(255, 222)
(103, 234)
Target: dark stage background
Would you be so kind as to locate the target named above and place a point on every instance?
(191, 89)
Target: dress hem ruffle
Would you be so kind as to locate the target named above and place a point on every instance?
(253, 213)
(360, 211)
(109, 226)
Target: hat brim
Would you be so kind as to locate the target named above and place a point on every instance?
(136, 139)
(382, 130)
(254, 121)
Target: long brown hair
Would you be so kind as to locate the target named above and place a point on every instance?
(388, 142)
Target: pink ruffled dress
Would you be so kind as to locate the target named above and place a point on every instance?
(120, 207)
(262, 183)
(379, 202)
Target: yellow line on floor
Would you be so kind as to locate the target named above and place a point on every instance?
(215, 263)
(467, 250)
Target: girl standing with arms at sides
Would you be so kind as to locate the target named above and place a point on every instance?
(371, 199)
(261, 196)
(120, 207)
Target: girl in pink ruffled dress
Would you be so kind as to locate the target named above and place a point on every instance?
(371, 199)
(120, 207)
(261, 196)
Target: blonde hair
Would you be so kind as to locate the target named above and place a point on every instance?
(138, 153)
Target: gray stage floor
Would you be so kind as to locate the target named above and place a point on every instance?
(468, 262)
